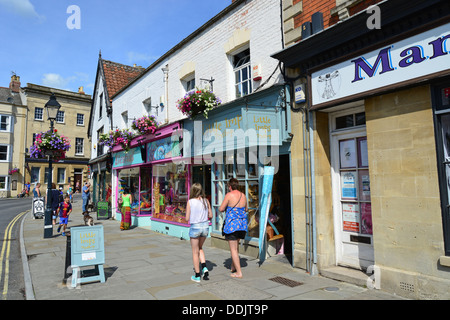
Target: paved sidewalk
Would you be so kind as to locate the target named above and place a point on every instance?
(144, 265)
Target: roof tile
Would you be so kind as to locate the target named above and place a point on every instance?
(119, 75)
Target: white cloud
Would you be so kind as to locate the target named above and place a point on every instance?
(71, 83)
(55, 80)
(23, 8)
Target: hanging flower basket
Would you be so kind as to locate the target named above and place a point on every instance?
(145, 125)
(117, 137)
(51, 144)
(198, 102)
(12, 171)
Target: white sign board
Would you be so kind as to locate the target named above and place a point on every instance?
(417, 56)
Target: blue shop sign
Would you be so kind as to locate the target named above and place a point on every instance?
(125, 159)
(261, 119)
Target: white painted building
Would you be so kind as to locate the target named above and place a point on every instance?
(208, 53)
(230, 54)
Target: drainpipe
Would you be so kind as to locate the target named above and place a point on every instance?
(310, 195)
(166, 90)
(313, 195)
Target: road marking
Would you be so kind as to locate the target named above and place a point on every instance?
(6, 247)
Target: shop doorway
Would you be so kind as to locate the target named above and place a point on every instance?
(78, 180)
(441, 107)
(281, 204)
(202, 174)
(351, 191)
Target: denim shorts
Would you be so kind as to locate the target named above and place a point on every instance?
(199, 230)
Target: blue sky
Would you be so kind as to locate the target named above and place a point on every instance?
(38, 46)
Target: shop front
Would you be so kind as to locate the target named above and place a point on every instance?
(237, 141)
(139, 172)
(101, 180)
(169, 183)
(375, 122)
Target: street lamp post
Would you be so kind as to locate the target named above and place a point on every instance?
(52, 107)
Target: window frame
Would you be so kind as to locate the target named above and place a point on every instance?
(189, 84)
(82, 119)
(6, 188)
(8, 123)
(41, 112)
(239, 67)
(77, 145)
(100, 108)
(38, 175)
(58, 175)
(58, 116)
(8, 152)
(228, 171)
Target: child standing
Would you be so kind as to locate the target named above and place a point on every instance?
(198, 213)
(64, 210)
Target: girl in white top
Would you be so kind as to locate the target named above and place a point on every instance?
(198, 213)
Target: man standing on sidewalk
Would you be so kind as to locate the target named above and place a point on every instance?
(85, 195)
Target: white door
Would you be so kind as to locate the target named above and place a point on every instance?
(351, 197)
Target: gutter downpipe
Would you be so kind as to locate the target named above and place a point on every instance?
(310, 198)
(313, 195)
(166, 91)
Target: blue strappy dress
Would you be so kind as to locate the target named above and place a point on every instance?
(235, 223)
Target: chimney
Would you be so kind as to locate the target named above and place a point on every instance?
(15, 83)
(81, 90)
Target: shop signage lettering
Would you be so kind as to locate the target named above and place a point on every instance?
(233, 123)
(87, 240)
(261, 122)
(418, 56)
(411, 55)
(132, 157)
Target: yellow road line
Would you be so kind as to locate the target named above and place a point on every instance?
(7, 246)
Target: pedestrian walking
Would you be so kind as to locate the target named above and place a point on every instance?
(64, 210)
(37, 190)
(85, 195)
(70, 193)
(235, 225)
(55, 202)
(126, 201)
(198, 213)
(27, 187)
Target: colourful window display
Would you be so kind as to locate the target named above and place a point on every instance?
(170, 192)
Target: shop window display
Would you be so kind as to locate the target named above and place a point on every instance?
(236, 166)
(129, 178)
(145, 193)
(170, 192)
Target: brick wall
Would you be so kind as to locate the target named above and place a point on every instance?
(313, 6)
(329, 9)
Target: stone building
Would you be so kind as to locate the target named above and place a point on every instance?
(370, 142)
(13, 113)
(72, 122)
